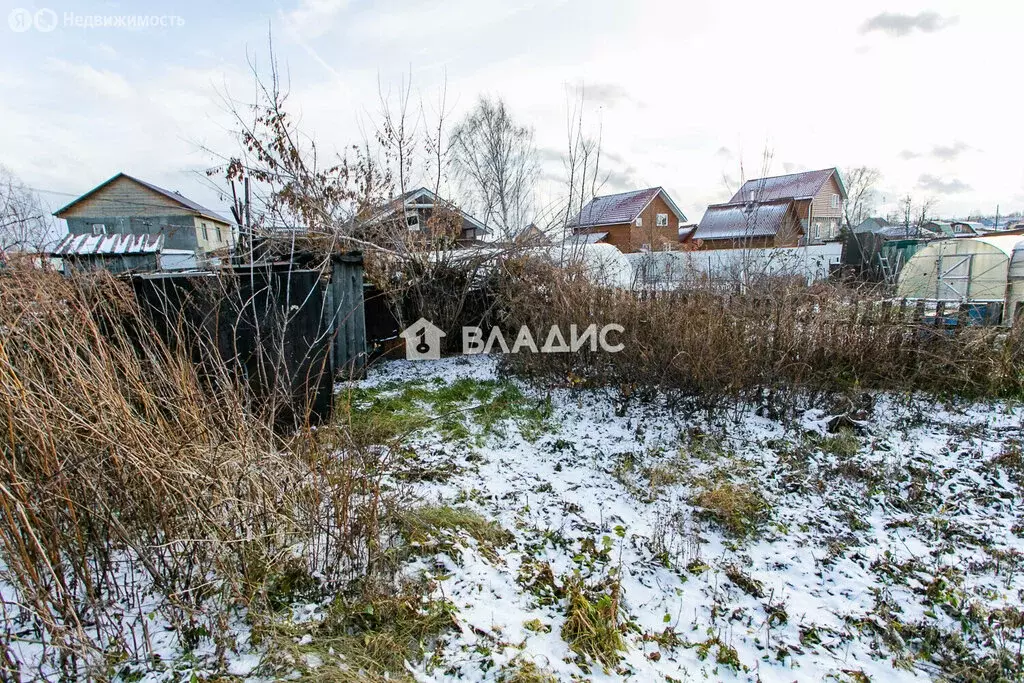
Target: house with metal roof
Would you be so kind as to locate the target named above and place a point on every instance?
(777, 211)
(421, 214)
(873, 224)
(532, 235)
(969, 228)
(125, 206)
(772, 223)
(641, 220)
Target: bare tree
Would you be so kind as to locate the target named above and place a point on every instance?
(914, 213)
(924, 210)
(25, 224)
(860, 191)
(582, 158)
(495, 162)
(435, 143)
(341, 201)
(397, 132)
(906, 212)
(295, 186)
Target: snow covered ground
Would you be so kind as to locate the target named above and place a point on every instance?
(566, 534)
(890, 554)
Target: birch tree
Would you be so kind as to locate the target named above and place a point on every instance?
(494, 160)
(860, 192)
(25, 224)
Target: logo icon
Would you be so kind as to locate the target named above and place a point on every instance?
(423, 340)
(20, 20)
(45, 20)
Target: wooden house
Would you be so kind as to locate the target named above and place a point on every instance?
(125, 205)
(642, 220)
(421, 215)
(533, 236)
(778, 211)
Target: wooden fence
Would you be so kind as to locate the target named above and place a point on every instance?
(949, 315)
(281, 329)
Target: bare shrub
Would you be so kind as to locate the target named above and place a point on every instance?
(141, 495)
(706, 341)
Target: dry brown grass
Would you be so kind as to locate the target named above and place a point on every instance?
(705, 340)
(123, 466)
(738, 509)
(591, 625)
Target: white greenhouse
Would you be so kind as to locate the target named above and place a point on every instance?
(968, 270)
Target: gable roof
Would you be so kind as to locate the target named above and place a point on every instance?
(975, 227)
(408, 197)
(180, 199)
(793, 186)
(873, 224)
(531, 234)
(743, 220)
(624, 207)
(587, 238)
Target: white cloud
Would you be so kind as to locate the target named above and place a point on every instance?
(107, 51)
(88, 79)
(683, 92)
(314, 18)
(897, 24)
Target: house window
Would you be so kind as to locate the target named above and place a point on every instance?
(99, 229)
(662, 220)
(639, 222)
(413, 222)
(835, 201)
(206, 232)
(219, 234)
(817, 230)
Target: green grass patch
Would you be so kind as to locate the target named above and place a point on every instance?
(524, 671)
(460, 410)
(591, 625)
(737, 509)
(844, 444)
(432, 525)
(366, 640)
(383, 413)
(725, 654)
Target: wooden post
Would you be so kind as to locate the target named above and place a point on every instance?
(919, 312)
(348, 316)
(962, 315)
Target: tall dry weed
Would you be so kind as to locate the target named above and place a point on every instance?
(140, 489)
(705, 340)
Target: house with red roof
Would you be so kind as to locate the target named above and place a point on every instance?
(641, 220)
(778, 211)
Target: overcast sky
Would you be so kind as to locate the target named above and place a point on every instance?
(928, 92)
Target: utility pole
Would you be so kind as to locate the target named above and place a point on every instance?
(240, 210)
(248, 218)
(997, 218)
